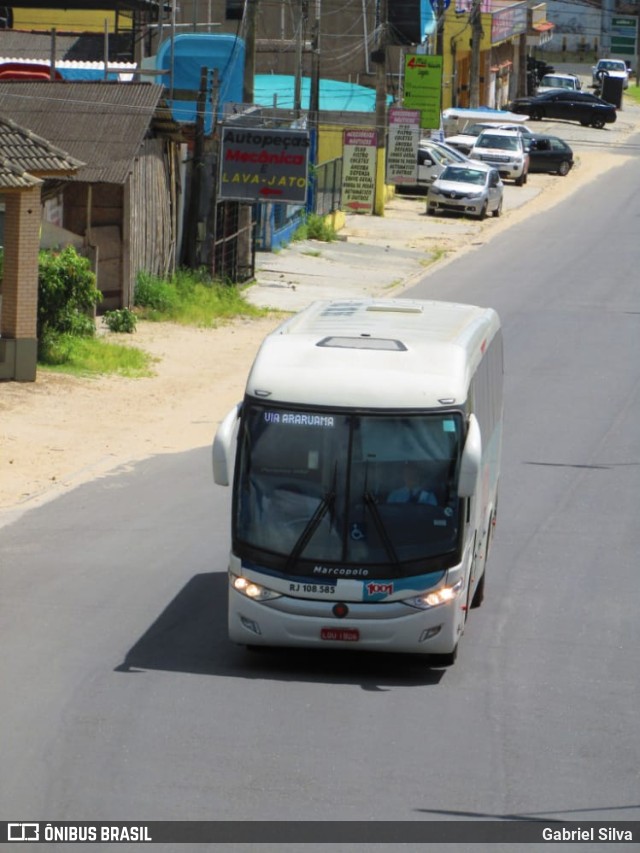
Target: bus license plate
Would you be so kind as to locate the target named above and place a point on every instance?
(350, 635)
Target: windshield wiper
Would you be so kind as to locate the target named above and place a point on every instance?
(381, 530)
(310, 528)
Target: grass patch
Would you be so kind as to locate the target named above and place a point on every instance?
(315, 227)
(633, 92)
(95, 357)
(434, 255)
(190, 299)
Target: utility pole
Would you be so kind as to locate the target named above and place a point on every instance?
(250, 51)
(314, 109)
(197, 169)
(245, 243)
(297, 88)
(439, 6)
(476, 40)
(314, 93)
(52, 67)
(380, 59)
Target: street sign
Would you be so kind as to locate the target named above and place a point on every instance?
(359, 170)
(402, 147)
(624, 36)
(423, 87)
(260, 164)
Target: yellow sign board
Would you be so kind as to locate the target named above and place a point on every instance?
(68, 20)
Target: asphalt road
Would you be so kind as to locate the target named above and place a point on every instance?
(123, 699)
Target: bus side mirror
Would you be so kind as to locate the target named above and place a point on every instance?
(471, 460)
(223, 446)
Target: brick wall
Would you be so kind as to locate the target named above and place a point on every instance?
(20, 284)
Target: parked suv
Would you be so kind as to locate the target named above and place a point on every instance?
(506, 151)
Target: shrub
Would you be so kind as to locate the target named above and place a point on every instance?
(120, 320)
(67, 294)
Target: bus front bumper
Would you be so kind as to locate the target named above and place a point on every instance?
(392, 627)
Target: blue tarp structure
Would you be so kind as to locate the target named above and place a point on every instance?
(192, 52)
(96, 74)
(335, 96)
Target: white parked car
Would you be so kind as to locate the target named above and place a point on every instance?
(473, 188)
(610, 68)
(559, 81)
(433, 157)
(465, 140)
(506, 151)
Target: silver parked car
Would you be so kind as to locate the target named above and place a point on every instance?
(470, 188)
(433, 158)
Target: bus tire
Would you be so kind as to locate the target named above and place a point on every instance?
(478, 595)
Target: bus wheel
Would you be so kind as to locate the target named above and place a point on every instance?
(478, 595)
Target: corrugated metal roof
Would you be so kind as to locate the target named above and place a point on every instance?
(101, 124)
(78, 46)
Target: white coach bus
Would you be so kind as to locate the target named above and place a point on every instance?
(365, 459)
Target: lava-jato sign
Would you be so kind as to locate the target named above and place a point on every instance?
(262, 164)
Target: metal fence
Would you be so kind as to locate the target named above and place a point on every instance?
(328, 194)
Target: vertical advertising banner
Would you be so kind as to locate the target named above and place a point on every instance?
(359, 170)
(423, 87)
(402, 147)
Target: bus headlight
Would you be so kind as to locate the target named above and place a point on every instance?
(252, 589)
(435, 597)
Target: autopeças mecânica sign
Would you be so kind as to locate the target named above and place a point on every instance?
(264, 164)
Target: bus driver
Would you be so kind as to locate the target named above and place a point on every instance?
(413, 490)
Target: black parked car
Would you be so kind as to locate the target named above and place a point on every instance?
(584, 107)
(548, 154)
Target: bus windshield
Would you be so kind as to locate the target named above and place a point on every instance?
(347, 489)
